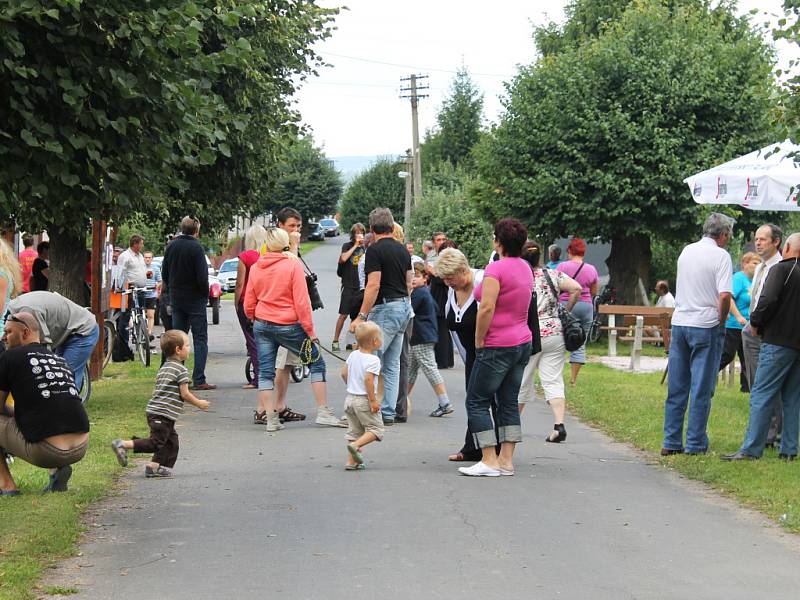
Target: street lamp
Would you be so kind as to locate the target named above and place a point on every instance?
(407, 208)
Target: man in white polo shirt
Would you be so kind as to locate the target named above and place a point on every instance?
(767, 242)
(702, 299)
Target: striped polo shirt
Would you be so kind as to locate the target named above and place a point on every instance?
(166, 400)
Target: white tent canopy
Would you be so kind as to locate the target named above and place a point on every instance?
(767, 179)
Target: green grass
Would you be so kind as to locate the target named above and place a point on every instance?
(37, 529)
(630, 408)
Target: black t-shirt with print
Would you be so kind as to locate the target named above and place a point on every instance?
(46, 402)
(349, 268)
(391, 258)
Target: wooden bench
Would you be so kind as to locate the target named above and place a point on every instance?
(627, 318)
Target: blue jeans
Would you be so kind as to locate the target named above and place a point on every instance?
(584, 312)
(269, 337)
(77, 350)
(496, 375)
(392, 318)
(778, 374)
(192, 316)
(694, 355)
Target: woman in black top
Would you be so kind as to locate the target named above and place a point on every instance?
(460, 314)
(439, 291)
(352, 295)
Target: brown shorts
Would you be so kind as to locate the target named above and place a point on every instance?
(41, 454)
(361, 419)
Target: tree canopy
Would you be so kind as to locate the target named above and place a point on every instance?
(597, 138)
(458, 124)
(377, 186)
(112, 108)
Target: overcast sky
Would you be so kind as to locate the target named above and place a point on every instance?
(354, 107)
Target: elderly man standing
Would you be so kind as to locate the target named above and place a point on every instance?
(387, 301)
(185, 273)
(47, 426)
(703, 297)
(776, 319)
(767, 242)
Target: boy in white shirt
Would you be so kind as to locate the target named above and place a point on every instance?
(362, 406)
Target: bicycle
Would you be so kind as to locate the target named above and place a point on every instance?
(138, 335)
(109, 335)
(607, 296)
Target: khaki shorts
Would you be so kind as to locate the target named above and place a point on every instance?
(284, 359)
(550, 364)
(361, 419)
(40, 454)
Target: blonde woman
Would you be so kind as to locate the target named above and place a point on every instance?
(276, 299)
(253, 241)
(10, 281)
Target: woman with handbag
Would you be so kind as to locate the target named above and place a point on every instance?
(277, 300)
(586, 275)
(548, 284)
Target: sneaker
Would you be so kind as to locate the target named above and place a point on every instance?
(326, 416)
(274, 422)
(442, 410)
(479, 470)
(120, 451)
(348, 347)
(335, 345)
(387, 421)
(58, 480)
(159, 472)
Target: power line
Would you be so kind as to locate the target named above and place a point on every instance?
(380, 62)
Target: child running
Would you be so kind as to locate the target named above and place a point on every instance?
(163, 409)
(424, 335)
(362, 406)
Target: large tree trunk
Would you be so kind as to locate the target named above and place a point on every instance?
(68, 260)
(629, 267)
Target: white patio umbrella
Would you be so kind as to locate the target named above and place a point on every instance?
(767, 179)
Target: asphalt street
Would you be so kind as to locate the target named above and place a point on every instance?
(256, 515)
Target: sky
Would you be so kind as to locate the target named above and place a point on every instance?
(354, 108)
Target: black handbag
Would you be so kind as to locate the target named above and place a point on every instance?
(311, 284)
(574, 335)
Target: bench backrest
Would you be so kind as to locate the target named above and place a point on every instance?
(627, 309)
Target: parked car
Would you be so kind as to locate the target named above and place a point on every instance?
(315, 233)
(227, 274)
(330, 227)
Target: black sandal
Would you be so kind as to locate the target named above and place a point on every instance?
(259, 418)
(562, 434)
(287, 414)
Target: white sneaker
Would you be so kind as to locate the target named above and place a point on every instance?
(326, 416)
(479, 470)
(274, 422)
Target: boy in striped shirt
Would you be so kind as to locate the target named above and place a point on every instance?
(163, 409)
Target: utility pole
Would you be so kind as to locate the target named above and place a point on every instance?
(414, 96)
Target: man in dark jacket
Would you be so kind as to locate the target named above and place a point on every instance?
(185, 273)
(777, 321)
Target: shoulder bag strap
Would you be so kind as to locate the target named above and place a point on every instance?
(550, 283)
(578, 271)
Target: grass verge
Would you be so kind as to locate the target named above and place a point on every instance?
(630, 408)
(37, 529)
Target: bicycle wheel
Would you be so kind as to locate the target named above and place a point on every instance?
(86, 386)
(143, 342)
(297, 373)
(109, 335)
(249, 372)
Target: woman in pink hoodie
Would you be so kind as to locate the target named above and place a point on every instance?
(277, 302)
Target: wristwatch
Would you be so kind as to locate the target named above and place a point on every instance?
(362, 316)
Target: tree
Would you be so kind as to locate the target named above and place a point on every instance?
(112, 109)
(597, 139)
(445, 207)
(377, 186)
(458, 124)
(307, 181)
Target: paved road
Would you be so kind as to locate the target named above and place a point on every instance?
(256, 515)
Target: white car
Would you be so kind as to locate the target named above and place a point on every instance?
(227, 274)
(329, 226)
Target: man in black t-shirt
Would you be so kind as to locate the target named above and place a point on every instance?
(351, 298)
(47, 425)
(386, 301)
(40, 271)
